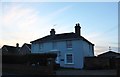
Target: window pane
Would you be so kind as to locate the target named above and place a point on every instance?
(69, 44)
(40, 46)
(69, 58)
(54, 45)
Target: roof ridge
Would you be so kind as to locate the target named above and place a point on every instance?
(62, 36)
(65, 33)
(9, 46)
(27, 43)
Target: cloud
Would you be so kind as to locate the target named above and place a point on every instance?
(102, 40)
(23, 24)
(18, 24)
(102, 49)
(19, 17)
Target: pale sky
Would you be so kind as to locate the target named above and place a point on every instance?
(23, 22)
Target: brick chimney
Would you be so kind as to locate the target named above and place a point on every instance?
(52, 32)
(77, 29)
(17, 45)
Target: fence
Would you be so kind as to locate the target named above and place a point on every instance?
(101, 63)
(31, 64)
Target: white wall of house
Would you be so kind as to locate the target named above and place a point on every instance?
(88, 49)
(79, 49)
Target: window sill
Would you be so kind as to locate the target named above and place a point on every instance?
(69, 48)
(69, 63)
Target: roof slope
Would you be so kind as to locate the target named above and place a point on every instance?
(11, 49)
(57, 37)
(109, 54)
(29, 45)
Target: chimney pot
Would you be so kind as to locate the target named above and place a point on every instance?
(77, 29)
(17, 44)
(52, 32)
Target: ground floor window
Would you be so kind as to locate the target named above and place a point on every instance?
(69, 58)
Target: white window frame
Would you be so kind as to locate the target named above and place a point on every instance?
(66, 58)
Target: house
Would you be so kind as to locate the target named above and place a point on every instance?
(7, 50)
(71, 48)
(0, 51)
(107, 60)
(110, 54)
(25, 49)
(114, 58)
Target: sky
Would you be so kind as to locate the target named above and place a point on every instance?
(22, 22)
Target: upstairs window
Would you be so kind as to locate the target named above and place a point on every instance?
(54, 45)
(69, 44)
(40, 46)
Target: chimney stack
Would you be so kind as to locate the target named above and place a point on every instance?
(77, 29)
(17, 45)
(52, 32)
